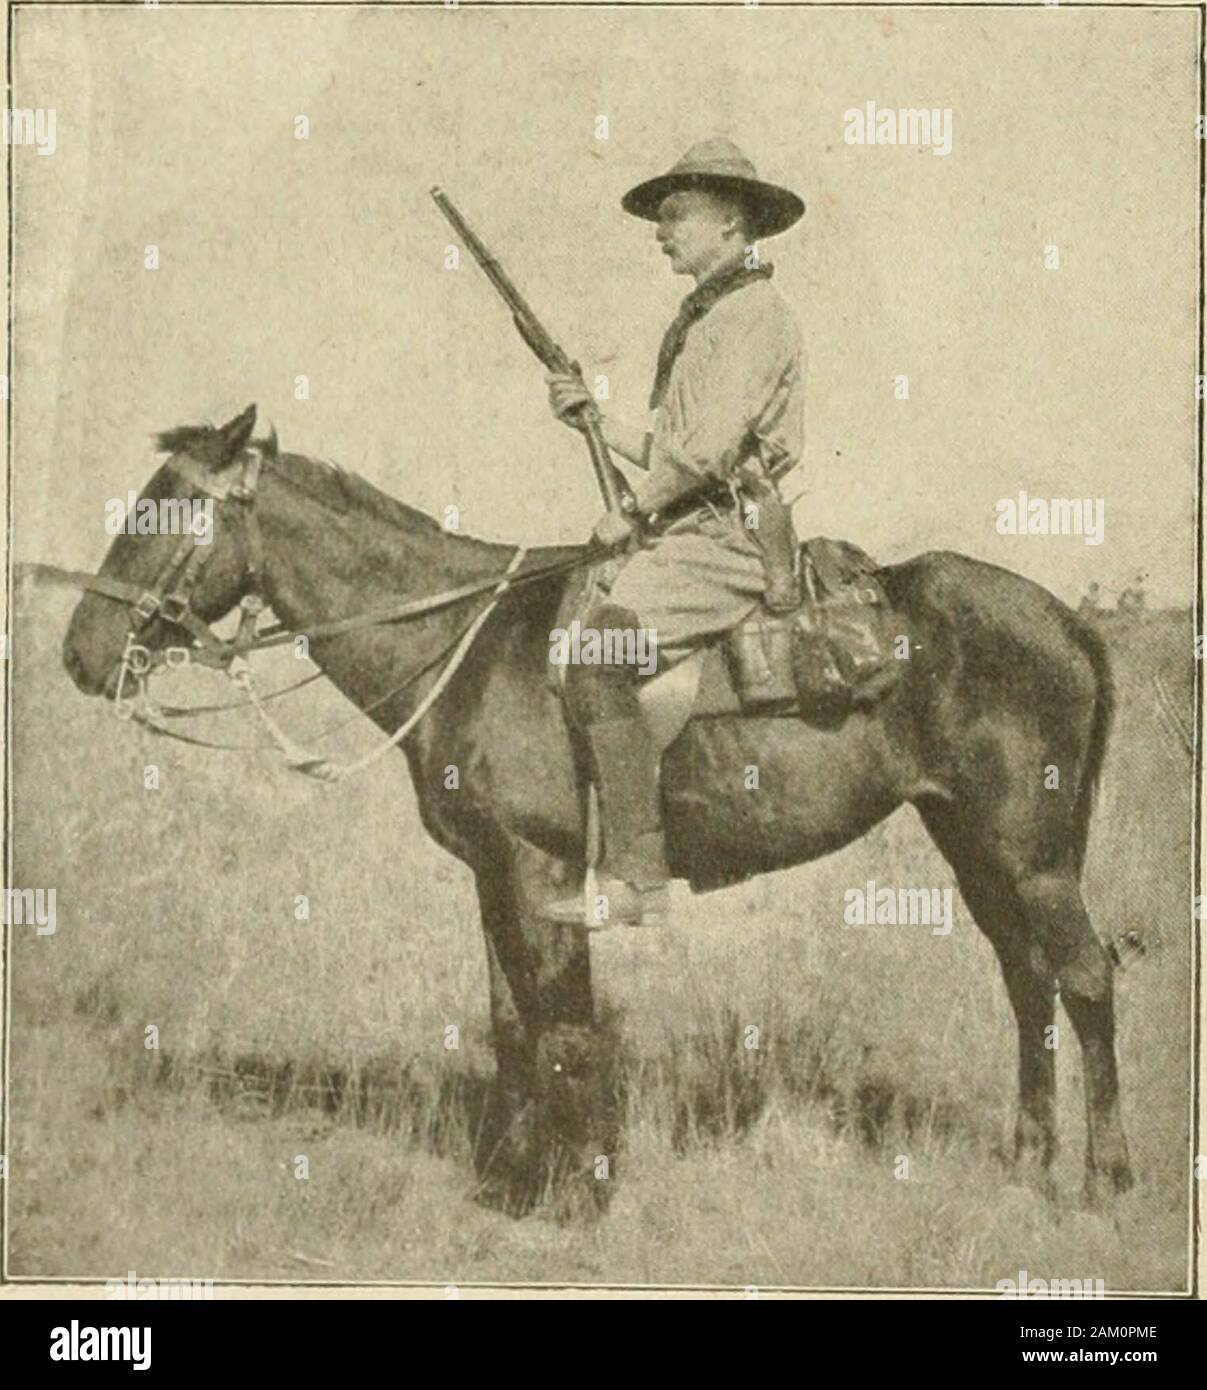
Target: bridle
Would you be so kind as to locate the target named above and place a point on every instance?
(170, 596)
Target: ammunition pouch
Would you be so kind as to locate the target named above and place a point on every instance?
(833, 652)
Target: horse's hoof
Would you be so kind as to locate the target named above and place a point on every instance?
(1103, 1184)
(507, 1198)
(1043, 1184)
(1034, 1177)
(1122, 1179)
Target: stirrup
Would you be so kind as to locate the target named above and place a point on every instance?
(615, 903)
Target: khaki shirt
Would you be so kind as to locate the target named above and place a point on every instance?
(736, 391)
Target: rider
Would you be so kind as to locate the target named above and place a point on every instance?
(728, 417)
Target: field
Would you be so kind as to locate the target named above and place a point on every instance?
(325, 1039)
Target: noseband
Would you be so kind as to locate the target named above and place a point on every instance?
(170, 597)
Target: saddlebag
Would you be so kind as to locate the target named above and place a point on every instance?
(833, 652)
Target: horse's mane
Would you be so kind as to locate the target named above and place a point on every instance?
(328, 483)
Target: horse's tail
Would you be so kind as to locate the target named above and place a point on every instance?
(1093, 644)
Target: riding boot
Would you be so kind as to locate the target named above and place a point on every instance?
(633, 876)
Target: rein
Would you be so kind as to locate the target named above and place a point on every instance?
(300, 760)
(170, 598)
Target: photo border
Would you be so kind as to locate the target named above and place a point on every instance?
(34, 1287)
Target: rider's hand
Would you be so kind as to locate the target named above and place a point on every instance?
(613, 529)
(567, 395)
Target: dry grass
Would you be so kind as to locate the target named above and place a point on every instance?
(281, 1038)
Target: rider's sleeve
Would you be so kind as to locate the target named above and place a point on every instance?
(736, 390)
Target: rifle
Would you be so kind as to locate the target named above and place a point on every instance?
(612, 485)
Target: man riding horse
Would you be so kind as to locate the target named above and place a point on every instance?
(715, 539)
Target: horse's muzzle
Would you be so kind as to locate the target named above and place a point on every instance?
(87, 680)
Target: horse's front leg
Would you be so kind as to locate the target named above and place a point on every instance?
(550, 1128)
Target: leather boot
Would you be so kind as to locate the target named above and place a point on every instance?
(604, 703)
(633, 877)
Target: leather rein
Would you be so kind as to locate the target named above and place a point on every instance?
(170, 598)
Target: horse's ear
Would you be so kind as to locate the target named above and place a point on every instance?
(235, 434)
(272, 445)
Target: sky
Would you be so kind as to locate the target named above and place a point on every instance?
(324, 258)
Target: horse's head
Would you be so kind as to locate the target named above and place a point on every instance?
(174, 565)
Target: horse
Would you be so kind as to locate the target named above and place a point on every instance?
(1003, 684)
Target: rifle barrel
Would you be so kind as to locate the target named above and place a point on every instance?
(611, 482)
(498, 277)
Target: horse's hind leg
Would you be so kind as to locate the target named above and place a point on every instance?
(1057, 917)
(1030, 984)
(1032, 990)
(1039, 927)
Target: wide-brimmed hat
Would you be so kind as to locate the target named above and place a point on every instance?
(718, 165)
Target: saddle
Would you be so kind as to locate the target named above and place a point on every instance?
(831, 654)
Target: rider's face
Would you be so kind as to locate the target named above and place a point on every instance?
(699, 232)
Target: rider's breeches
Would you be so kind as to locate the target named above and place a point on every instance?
(605, 692)
(697, 580)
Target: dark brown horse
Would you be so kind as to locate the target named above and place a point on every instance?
(1003, 684)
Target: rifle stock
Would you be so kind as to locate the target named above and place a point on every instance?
(612, 485)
